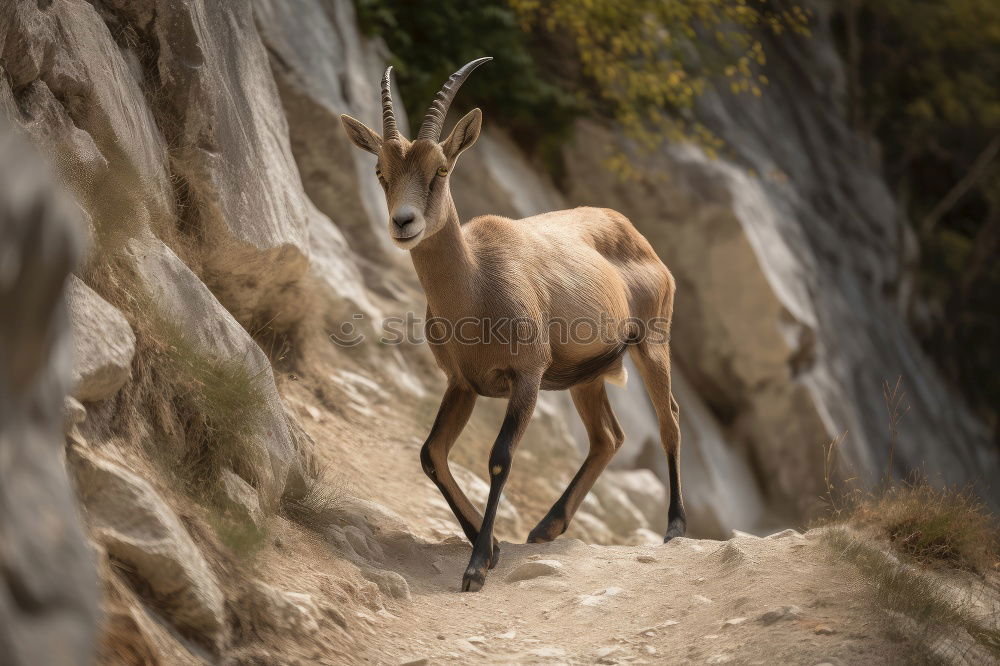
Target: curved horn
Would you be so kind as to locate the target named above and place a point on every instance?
(434, 120)
(389, 130)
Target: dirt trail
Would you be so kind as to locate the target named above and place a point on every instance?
(747, 601)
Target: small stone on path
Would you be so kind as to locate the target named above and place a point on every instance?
(535, 569)
(463, 644)
(782, 613)
(599, 597)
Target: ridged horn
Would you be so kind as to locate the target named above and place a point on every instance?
(434, 120)
(389, 130)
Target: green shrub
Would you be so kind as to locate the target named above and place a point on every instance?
(430, 40)
(218, 402)
(630, 62)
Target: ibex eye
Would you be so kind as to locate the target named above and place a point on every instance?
(442, 171)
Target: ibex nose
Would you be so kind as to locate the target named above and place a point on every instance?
(403, 216)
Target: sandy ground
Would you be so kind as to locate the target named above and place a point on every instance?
(748, 600)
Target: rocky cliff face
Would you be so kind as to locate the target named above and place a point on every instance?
(235, 233)
(48, 583)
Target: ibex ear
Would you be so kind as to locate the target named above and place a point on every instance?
(464, 135)
(361, 135)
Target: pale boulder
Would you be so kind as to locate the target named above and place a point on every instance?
(182, 300)
(280, 610)
(231, 152)
(136, 526)
(240, 499)
(103, 344)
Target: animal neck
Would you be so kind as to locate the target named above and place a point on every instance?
(445, 266)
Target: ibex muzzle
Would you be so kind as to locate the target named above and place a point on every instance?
(572, 266)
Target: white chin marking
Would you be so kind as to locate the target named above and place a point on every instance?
(408, 243)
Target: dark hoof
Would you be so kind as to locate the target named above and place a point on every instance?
(538, 538)
(545, 532)
(473, 580)
(677, 528)
(495, 558)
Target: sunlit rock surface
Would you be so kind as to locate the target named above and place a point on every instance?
(233, 225)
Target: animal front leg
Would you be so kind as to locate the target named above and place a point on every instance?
(456, 407)
(519, 409)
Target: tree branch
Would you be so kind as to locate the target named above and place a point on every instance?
(962, 187)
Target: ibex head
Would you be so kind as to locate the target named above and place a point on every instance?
(414, 174)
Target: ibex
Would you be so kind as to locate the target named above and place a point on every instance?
(582, 265)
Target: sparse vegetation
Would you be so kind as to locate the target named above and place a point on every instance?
(221, 400)
(637, 63)
(925, 523)
(906, 538)
(912, 596)
(320, 506)
(241, 537)
(216, 402)
(933, 525)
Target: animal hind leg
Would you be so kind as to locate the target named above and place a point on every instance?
(606, 438)
(653, 361)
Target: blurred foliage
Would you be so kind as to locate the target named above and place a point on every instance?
(638, 63)
(648, 61)
(925, 83)
(430, 40)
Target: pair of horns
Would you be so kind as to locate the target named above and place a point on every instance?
(433, 123)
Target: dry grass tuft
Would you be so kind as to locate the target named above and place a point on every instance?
(219, 402)
(922, 522)
(927, 610)
(933, 525)
(908, 539)
(320, 507)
